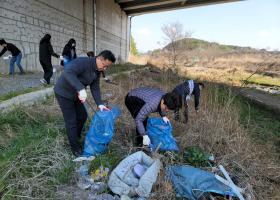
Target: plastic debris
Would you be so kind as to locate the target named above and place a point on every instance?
(122, 180)
(100, 173)
(83, 158)
(98, 187)
(103, 197)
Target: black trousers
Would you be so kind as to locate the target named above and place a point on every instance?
(48, 71)
(75, 115)
(186, 110)
(134, 105)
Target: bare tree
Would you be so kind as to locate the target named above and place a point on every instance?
(173, 33)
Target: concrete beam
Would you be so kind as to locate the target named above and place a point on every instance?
(138, 7)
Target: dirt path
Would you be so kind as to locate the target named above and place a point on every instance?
(19, 82)
(272, 102)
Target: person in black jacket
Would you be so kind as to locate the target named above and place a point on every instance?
(69, 52)
(16, 56)
(45, 53)
(70, 92)
(185, 90)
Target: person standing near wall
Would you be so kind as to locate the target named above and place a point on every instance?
(16, 56)
(70, 92)
(185, 91)
(69, 52)
(45, 53)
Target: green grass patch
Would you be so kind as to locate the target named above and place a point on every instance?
(264, 80)
(33, 159)
(17, 93)
(110, 159)
(262, 124)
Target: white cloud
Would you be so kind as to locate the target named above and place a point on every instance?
(264, 33)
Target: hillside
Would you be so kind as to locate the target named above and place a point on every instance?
(221, 63)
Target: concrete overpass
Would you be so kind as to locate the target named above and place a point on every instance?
(137, 7)
(95, 24)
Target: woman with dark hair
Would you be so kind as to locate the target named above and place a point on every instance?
(69, 52)
(45, 53)
(143, 101)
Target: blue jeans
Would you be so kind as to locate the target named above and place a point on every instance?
(15, 59)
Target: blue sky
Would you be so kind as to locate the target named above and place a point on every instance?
(254, 23)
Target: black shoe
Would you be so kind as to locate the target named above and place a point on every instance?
(77, 153)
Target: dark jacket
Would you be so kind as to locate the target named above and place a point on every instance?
(152, 98)
(46, 50)
(12, 48)
(80, 73)
(69, 52)
(183, 90)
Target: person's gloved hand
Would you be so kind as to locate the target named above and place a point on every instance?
(103, 108)
(166, 120)
(82, 95)
(146, 140)
(7, 57)
(61, 57)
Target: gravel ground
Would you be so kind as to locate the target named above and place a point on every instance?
(20, 82)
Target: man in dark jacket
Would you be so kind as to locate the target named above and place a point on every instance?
(45, 53)
(69, 52)
(185, 90)
(70, 92)
(143, 101)
(16, 56)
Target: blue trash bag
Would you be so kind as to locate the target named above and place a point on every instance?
(65, 62)
(160, 132)
(192, 183)
(101, 131)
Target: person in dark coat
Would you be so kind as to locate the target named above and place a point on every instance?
(69, 52)
(16, 56)
(70, 92)
(45, 53)
(143, 101)
(185, 91)
(91, 54)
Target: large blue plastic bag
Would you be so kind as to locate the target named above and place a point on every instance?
(101, 131)
(160, 132)
(192, 183)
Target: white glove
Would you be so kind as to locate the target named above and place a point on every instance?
(146, 140)
(82, 95)
(166, 120)
(103, 108)
(7, 57)
(61, 57)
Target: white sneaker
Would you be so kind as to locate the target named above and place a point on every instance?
(43, 81)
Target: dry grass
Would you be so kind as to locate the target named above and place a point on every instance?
(216, 129)
(227, 68)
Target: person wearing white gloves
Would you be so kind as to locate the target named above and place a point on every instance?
(142, 101)
(70, 92)
(14, 58)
